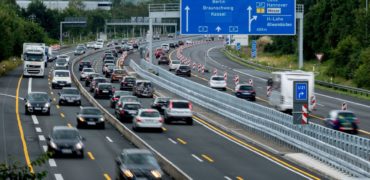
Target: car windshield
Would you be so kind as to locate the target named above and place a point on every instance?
(80, 49)
(105, 86)
(122, 93)
(34, 57)
(61, 74)
(162, 100)
(88, 70)
(119, 71)
(218, 78)
(85, 62)
(129, 99)
(346, 115)
(184, 67)
(175, 62)
(65, 134)
(63, 56)
(132, 106)
(100, 80)
(38, 97)
(246, 88)
(129, 79)
(110, 56)
(150, 114)
(70, 91)
(91, 111)
(180, 105)
(61, 61)
(141, 159)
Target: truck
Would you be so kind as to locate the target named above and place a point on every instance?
(281, 83)
(35, 59)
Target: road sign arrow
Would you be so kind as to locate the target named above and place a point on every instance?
(187, 9)
(218, 29)
(250, 18)
(301, 94)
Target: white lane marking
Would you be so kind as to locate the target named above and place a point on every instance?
(38, 129)
(197, 158)
(227, 178)
(259, 87)
(241, 72)
(34, 119)
(321, 105)
(109, 139)
(58, 177)
(52, 163)
(172, 141)
(45, 148)
(42, 138)
(29, 85)
(210, 49)
(343, 100)
(8, 95)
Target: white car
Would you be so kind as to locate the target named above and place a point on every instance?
(188, 41)
(61, 78)
(64, 57)
(217, 82)
(86, 72)
(99, 45)
(90, 45)
(165, 47)
(174, 64)
(130, 46)
(148, 118)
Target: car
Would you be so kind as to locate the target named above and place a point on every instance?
(81, 46)
(111, 68)
(61, 68)
(117, 95)
(84, 64)
(189, 41)
(165, 47)
(106, 65)
(90, 116)
(245, 91)
(160, 103)
(163, 60)
(174, 64)
(52, 58)
(109, 61)
(158, 53)
(90, 77)
(127, 110)
(90, 45)
(127, 82)
(342, 120)
(143, 88)
(61, 62)
(118, 49)
(103, 90)
(117, 75)
(217, 82)
(109, 56)
(173, 45)
(147, 118)
(115, 53)
(37, 102)
(126, 98)
(96, 81)
(79, 51)
(63, 56)
(125, 47)
(86, 72)
(65, 140)
(156, 37)
(61, 78)
(178, 110)
(170, 35)
(180, 43)
(69, 95)
(137, 164)
(130, 46)
(183, 70)
(99, 45)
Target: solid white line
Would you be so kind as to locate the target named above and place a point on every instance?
(320, 104)
(58, 177)
(45, 148)
(29, 85)
(109, 139)
(34, 119)
(172, 141)
(8, 95)
(52, 163)
(227, 178)
(343, 100)
(41, 137)
(264, 80)
(197, 158)
(38, 129)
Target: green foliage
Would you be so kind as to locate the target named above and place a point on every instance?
(282, 45)
(362, 77)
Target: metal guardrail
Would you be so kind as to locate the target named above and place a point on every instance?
(343, 151)
(164, 7)
(322, 83)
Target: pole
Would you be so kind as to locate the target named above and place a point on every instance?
(150, 41)
(61, 34)
(300, 45)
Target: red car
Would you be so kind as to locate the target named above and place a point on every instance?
(158, 53)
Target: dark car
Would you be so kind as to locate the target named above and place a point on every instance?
(110, 70)
(163, 60)
(90, 77)
(90, 116)
(79, 51)
(69, 96)
(61, 68)
(173, 45)
(109, 57)
(96, 81)
(103, 90)
(117, 95)
(127, 110)
(342, 120)
(52, 57)
(127, 82)
(118, 49)
(184, 70)
(65, 140)
(37, 102)
(180, 43)
(245, 91)
(83, 64)
(137, 164)
(115, 53)
(135, 45)
(143, 88)
(160, 103)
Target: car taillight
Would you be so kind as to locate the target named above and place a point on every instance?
(170, 106)
(115, 99)
(190, 106)
(119, 104)
(138, 120)
(336, 122)
(161, 120)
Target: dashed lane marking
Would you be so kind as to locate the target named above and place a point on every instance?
(109, 139)
(42, 138)
(173, 141)
(34, 119)
(52, 163)
(62, 115)
(208, 158)
(91, 156)
(45, 148)
(69, 125)
(181, 141)
(197, 158)
(58, 176)
(106, 176)
(38, 129)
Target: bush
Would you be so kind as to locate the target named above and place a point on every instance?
(362, 78)
(10, 64)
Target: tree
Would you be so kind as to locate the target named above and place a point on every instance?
(362, 78)
(76, 4)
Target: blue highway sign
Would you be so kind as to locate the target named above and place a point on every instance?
(254, 49)
(260, 17)
(238, 46)
(301, 93)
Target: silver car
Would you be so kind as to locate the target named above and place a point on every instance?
(148, 118)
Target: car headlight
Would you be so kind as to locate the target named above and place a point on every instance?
(81, 119)
(62, 97)
(156, 174)
(127, 173)
(53, 145)
(47, 105)
(29, 104)
(79, 145)
(101, 119)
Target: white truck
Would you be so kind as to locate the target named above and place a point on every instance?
(281, 96)
(35, 59)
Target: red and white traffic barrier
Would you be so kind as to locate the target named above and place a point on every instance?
(203, 69)
(236, 79)
(344, 106)
(199, 67)
(214, 71)
(225, 76)
(313, 102)
(251, 82)
(269, 89)
(304, 114)
(194, 65)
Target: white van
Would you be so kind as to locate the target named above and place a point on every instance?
(165, 47)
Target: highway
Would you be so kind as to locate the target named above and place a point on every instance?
(327, 100)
